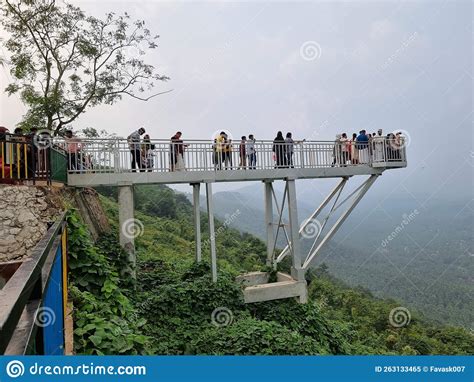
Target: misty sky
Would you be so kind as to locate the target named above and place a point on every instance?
(313, 68)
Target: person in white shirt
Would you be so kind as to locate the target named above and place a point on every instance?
(345, 149)
(134, 145)
(251, 153)
(378, 141)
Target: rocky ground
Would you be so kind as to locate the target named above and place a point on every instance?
(24, 215)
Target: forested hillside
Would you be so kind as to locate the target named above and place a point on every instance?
(174, 308)
(429, 266)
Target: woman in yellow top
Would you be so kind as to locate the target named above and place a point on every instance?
(221, 149)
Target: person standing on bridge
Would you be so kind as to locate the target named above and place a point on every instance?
(221, 143)
(336, 151)
(363, 147)
(345, 149)
(134, 145)
(289, 150)
(228, 153)
(354, 150)
(279, 150)
(147, 154)
(177, 148)
(243, 153)
(251, 153)
(73, 150)
(378, 141)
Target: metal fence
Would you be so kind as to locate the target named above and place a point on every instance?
(33, 300)
(24, 159)
(119, 155)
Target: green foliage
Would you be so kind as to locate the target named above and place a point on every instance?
(63, 61)
(105, 320)
(250, 336)
(177, 305)
(370, 331)
(306, 319)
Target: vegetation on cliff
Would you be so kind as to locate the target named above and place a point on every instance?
(174, 308)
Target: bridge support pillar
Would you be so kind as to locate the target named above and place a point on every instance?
(297, 271)
(129, 227)
(270, 229)
(212, 234)
(197, 220)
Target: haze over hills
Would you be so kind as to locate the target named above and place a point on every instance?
(428, 264)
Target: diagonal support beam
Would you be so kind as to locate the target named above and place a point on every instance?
(280, 217)
(269, 222)
(366, 185)
(313, 216)
(297, 271)
(326, 219)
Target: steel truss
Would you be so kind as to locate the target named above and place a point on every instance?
(312, 223)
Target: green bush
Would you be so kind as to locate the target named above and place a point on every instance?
(105, 321)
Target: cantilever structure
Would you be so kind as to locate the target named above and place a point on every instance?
(108, 162)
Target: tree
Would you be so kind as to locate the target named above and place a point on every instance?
(63, 62)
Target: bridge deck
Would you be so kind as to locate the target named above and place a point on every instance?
(109, 161)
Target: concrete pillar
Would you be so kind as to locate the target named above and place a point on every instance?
(197, 220)
(212, 234)
(296, 269)
(129, 227)
(269, 221)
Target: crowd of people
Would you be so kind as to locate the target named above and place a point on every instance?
(365, 148)
(361, 148)
(142, 151)
(20, 158)
(26, 153)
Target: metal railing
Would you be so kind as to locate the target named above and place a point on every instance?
(119, 156)
(22, 159)
(33, 301)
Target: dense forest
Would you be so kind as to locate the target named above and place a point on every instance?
(428, 267)
(174, 308)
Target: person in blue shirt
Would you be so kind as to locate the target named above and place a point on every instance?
(363, 145)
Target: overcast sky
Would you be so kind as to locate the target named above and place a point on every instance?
(313, 68)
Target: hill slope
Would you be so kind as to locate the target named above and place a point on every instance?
(429, 266)
(176, 309)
